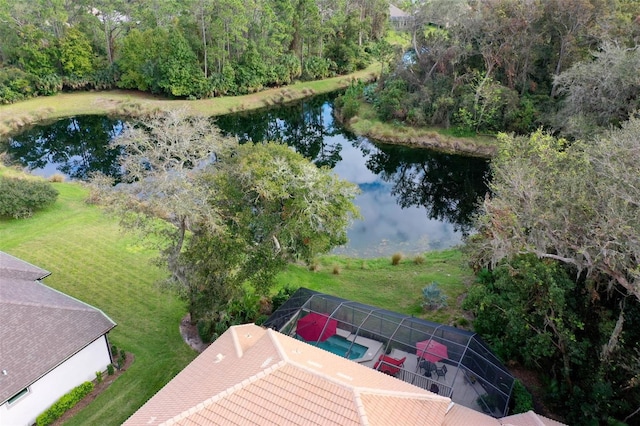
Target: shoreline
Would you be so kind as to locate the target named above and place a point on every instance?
(129, 103)
(16, 117)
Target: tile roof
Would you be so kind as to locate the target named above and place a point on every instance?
(529, 418)
(396, 12)
(252, 375)
(41, 328)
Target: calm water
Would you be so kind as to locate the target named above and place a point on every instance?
(412, 200)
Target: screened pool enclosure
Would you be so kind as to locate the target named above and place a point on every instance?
(443, 359)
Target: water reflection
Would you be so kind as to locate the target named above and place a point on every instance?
(412, 200)
(74, 147)
(307, 126)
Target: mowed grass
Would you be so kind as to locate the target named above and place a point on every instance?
(90, 259)
(394, 287)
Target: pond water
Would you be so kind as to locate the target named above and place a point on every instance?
(412, 200)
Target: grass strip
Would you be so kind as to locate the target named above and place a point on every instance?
(124, 103)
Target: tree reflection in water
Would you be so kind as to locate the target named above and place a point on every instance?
(74, 147)
(448, 186)
(412, 200)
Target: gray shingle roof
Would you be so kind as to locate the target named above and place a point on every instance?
(12, 267)
(40, 327)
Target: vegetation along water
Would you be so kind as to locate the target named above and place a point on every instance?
(552, 86)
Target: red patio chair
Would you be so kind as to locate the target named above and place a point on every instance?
(389, 365)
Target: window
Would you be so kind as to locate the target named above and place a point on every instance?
(17, 396)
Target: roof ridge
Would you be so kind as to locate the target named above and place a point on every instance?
(88, 306)
(225, 393)
(404, 394)
(49, 305)
(364, 419)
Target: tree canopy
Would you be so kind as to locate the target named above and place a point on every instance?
(223, 214)
(186, 48)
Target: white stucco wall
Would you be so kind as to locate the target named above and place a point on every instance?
(42, 394)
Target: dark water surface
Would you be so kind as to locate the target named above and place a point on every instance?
(412, 200)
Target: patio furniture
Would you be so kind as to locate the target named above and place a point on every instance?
(389, 365)
(316, 327)
(428, 367)
(431, 350)
(434, 388)
(442, 371)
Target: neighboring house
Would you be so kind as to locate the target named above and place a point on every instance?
(252, 375)
(49, 342)
(400, 20)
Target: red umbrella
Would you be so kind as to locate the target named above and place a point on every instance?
(431, 350)
(316, 327)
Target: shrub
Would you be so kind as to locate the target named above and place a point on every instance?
(57, 178)
(20, 197)
(282, 296)
(336, 270)
(315, 68)
(396, 258)
(418, 260)
(63, 404)
(433, 297)
(99, 376)
(523, 401)
(110, 369)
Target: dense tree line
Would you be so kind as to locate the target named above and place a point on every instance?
(556, 247)
(514, 65)
(186, 48)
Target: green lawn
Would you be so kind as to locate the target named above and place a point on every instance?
(93, 261)
(397, 288)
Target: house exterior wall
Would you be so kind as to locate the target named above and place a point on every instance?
(42, 394)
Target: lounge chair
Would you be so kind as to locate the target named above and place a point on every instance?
(389, 365)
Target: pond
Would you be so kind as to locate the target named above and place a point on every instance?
(412, 200)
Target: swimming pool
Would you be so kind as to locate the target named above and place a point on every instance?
(340, 346)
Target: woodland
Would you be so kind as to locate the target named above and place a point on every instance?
(556, 251)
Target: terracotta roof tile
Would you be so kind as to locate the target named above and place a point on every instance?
(263, 377)
(300, 384)
(459, 415)
(529, 418)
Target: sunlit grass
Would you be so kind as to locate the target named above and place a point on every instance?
(367, 124)
(91, 260)
(379, 283)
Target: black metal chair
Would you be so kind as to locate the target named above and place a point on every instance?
(442, 371)
(428, 367)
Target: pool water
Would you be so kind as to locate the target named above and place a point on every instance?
(340, 346)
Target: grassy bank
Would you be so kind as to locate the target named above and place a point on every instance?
(365, 123)
(131, 103)
(92, 260)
